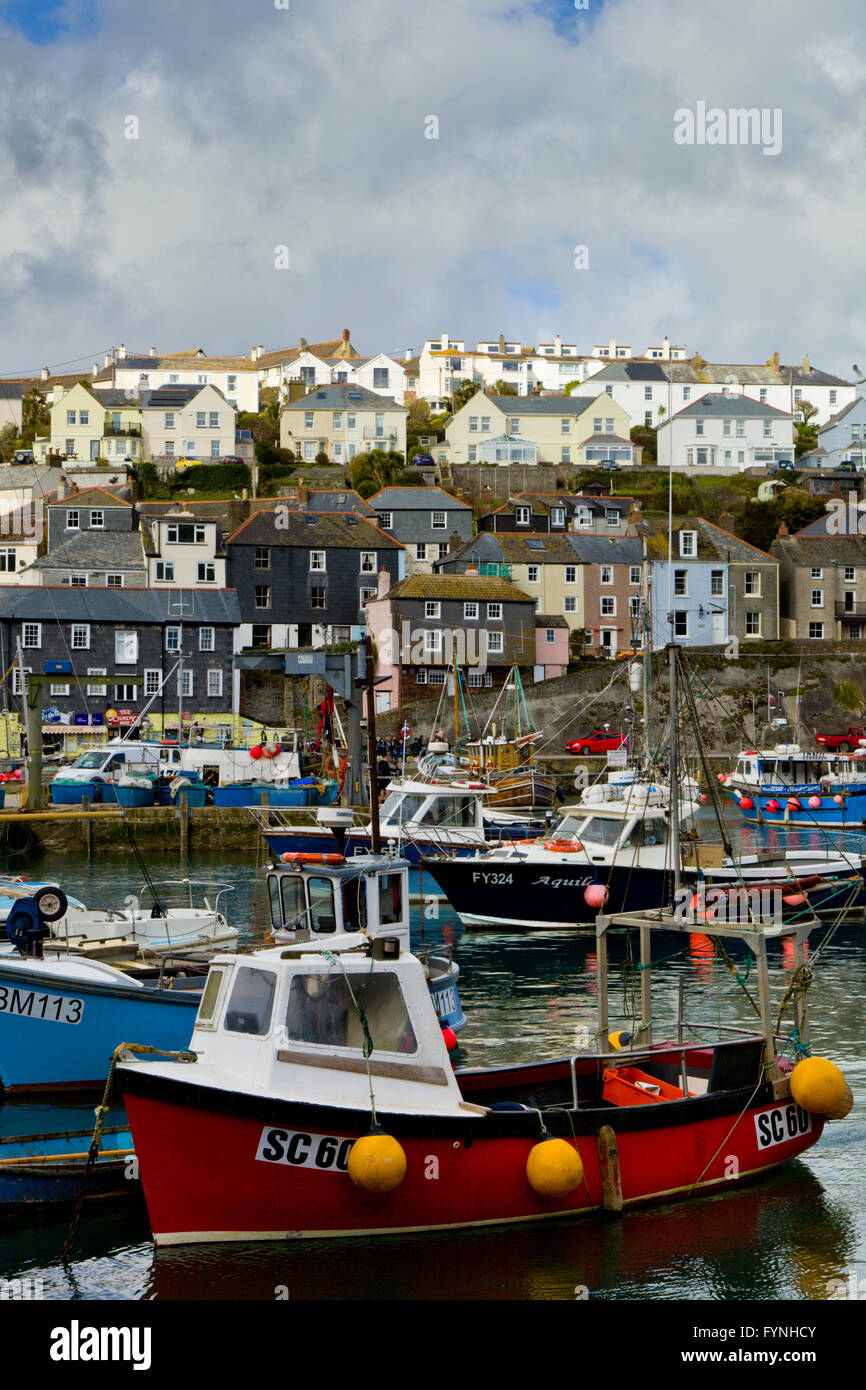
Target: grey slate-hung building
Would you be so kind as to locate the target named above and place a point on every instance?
(121, 644)
(424, 520)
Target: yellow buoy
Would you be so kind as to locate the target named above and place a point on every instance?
(819, 1087)
(377, 1163)
(554, 1168)
(619, 1040)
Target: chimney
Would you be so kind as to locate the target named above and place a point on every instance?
(727, 522)
(453, 540)
(472, 570)
(108, 360)
(807, 365)
(346, 336)
(45, 374)
(121, 351)
(612, 347)
(666, 348)
(384, 584)
(557, 345)
(60, 490)
(302, 345)
(94, 370)
(501, 343)
(153, 352)
(632, 519)
(782, 531)
(253, 354)
(485, 500)
(443, 341)
(303, 493)
(407, 354)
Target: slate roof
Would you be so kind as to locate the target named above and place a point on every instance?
(330, 500)
(95, 550)
(91, 497)
(829, 551)
(607, 550)
(40, 477)
(728, 407)
(538, 405)
(713, 543)
(550, 620)
(312, 530)
(840, 414)
(41, 603)
(546, 501)
(628, 370)
(410, 499)
(458, 586)
(343, 395)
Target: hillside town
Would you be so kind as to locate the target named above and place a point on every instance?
(552, 505)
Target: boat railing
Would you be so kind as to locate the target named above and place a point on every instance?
(189, 884)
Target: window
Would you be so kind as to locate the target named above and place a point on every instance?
(607, 574)
(681, 584)
(420, 551)
(58, 688)
(550, 635)
(165, 571)
(432, 646)
(114, 581)
(77, 581)
(647, 393)
(386, 520)
(317, 560)
(443, 549)
(213, 419)
(187, 682)
(557, 516)
(207, 573)
(31, 635)
(17, 687)
(319, 596)
(125, 648)
(97, 520)
(368, 562)
(470, 612)
(752, 585)
(381, 378)
(849, 574)
(565, 455)
(263, 596)
(438, 521)
(432, 610)
(571, 574)
(72, 521)
(741, 428)
(523, 515)
(532, 573)
(80, 636)
(206, 639)
(367, 595)
(608, 425)
(494, 612)
(816, 630)
(172, 639)
(699, 427)
(726, 427)
(97, 687)
(570, 604)
(688, 542)
(612, 516)
(333, 1020)
(634, 574)
(350, 421)
(608, 606)
(474, 680)
(681, 624)
(753, 623)
(634, 607)
(189, 448)
(169, 448)
(817, 598)
(251, 1002)
(762, 394)
(126, 693)
(70, 417)
(215, 448)
(495, 642)
(687, 393)
(565, 426)
(485, 424)
(214, 684)
(231, 382)
(817, 573)
(768, 429)
(169, 420)
(7, 561)
(717, 583)
(596, 424)
(201, 419)
(262, 560)
(832, 397)
(261, 635)
(152, 682)
(184, 533)
(798, 394)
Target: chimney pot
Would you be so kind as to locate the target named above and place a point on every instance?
(384, 583)
(783, 529)
(45, 374)
(94, 371)
(153, 352)
(121, 351)
(346, 335)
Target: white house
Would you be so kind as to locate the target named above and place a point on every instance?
(183, 551)
(237, 378)
(726, 434)
(187, 422)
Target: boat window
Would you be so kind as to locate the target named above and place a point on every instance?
(321, 1010)
(322, 914)
(249, 1009)
(210, 995)
(450, 810)
(394, 812)
(274, 901)
(567, 827)
(390, 899)
(654, 832)
(294, 904)
(602, 831)
(355, 904)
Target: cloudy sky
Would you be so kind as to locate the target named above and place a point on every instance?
(307, 127)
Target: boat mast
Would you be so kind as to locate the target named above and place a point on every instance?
(672, 779)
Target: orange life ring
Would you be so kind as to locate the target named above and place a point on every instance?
(299, 857)
(563, 846)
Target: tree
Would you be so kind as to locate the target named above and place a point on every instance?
(807, 433)
(35, 416)
(377, 467)
(643, 435)
(464, 392)
(8, 438)
(760, 521)
(504, 388)
(322, 459)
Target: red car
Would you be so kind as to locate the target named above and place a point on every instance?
(602, 741)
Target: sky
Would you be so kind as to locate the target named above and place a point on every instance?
(224, 173)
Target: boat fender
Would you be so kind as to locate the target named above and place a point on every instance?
(819, 1087)
(292, 856)
(553, 1168)
(595, 895)
(377, 1162)
(620, 1039)
(449, 1037)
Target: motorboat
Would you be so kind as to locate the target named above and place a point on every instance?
(789, 787)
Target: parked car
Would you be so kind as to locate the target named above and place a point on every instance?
(232, 458)
(602, 741)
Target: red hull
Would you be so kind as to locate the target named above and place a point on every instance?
(203, 1180)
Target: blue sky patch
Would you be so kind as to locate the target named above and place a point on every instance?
(48, 21)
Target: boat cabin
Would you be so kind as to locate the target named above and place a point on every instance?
(602, 827)
(315, 896)
(787, 768)
(448, 811)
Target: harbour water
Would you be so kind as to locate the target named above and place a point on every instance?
(798, 1234)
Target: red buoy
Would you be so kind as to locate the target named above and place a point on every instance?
(449, 1037)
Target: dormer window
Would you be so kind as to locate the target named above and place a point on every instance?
(523, 515)
(557, 516)
(688, 543)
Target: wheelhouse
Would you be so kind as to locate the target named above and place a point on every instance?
(312, 900)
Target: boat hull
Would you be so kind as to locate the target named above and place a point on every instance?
(850, 814)
(277, 1169)
(57, 1035)
(48, 1170)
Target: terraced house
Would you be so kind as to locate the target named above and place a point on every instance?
(570, 430)
(341, 421)
(426, 520)
(303, 578)
(823, 586)
(582, 513)
(543, 566)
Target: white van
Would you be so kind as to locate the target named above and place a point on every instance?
(113, 760)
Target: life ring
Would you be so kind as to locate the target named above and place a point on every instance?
(563, 846)
(300, 857)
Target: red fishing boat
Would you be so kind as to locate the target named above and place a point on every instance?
(318, 1099)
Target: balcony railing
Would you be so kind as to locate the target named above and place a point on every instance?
(112, 431)
(852, 611)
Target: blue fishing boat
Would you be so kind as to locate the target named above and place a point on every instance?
(47, 1169)
(787, 786)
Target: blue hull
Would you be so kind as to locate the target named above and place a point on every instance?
(850, 815)
(56, 1036)
(446, 1001)
(48, 1169)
